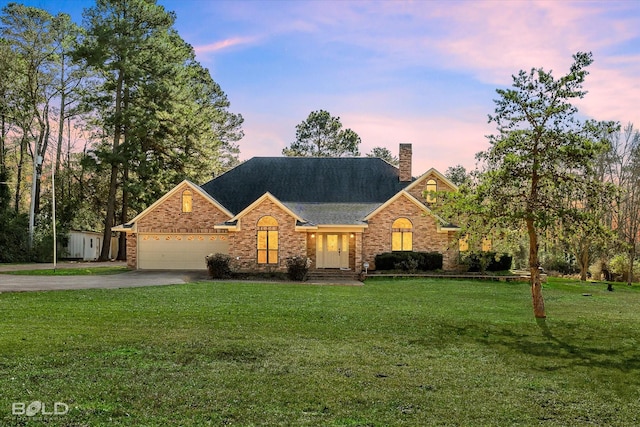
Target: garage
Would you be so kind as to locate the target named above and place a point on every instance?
(174, 251)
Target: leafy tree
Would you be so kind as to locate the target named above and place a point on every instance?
(593, 238)
(158, 114)
(120, 35)
(29, 32)
(541, 157)
(321, 135)
(458, 175)
(385, 154)
(7, 76)
(69, 78)
(13, 226)
(623, 168)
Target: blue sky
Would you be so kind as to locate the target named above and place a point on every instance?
(423, 72)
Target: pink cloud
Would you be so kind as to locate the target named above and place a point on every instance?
(488, 41)
(438, 142)
(613, 92)
(224, 44)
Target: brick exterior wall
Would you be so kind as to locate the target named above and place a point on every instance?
(168, 217)
(358, 261)
(132, 250)
(421, 186)
(243, 245)
(311, 250)
(352, 250)
(377, 238)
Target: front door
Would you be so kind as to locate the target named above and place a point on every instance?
(332, 250)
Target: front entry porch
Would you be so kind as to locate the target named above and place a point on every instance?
(337, 250)
(332, 250)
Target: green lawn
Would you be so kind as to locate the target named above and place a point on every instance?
(393, 352)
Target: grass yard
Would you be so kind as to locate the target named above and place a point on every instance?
(393, 352)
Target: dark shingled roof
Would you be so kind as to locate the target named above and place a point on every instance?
(359, 180)
(333, 213)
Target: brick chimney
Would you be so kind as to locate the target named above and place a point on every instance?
(405, 163)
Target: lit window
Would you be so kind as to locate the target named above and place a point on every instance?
(432, 187)
(267, 244)
(402, 235)
(187, 201)
(463, 244)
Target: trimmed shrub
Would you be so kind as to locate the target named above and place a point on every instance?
(219, 265)
(500, 263)
(298, 267)
(486, 261)
(409, 261)
(431, 261)
(410, 264)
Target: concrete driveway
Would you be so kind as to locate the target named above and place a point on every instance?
(129, 279)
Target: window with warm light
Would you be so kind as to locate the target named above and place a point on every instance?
(402, 235)
(432, 188)
(187, 201)
(463, 244)
(267, 244)
(486, 244)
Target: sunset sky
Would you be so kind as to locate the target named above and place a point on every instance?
(423, 72)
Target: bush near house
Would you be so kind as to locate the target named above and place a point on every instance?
(486, 261)
(559, 264)
(298, 267)
(409, 261)
(219, 265)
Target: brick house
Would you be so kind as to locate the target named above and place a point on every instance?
(340, 212)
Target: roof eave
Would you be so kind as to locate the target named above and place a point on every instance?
(130, 227)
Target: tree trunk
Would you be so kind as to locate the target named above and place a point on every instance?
(23, 152)
(2, 144)
(41, 151)
(122, 239)
(113, 184)
(534, 268)
(108, 220)
(584, 260)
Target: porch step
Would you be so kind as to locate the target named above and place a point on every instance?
(329, 274)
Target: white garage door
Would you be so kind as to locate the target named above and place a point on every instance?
(178, 251)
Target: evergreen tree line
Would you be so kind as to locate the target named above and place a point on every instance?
(117, 109)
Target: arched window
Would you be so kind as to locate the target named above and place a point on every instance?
(267, 244)
(402, 235)
(432, 187)
(187, 201)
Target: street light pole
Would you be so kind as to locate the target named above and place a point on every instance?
(53, 208)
